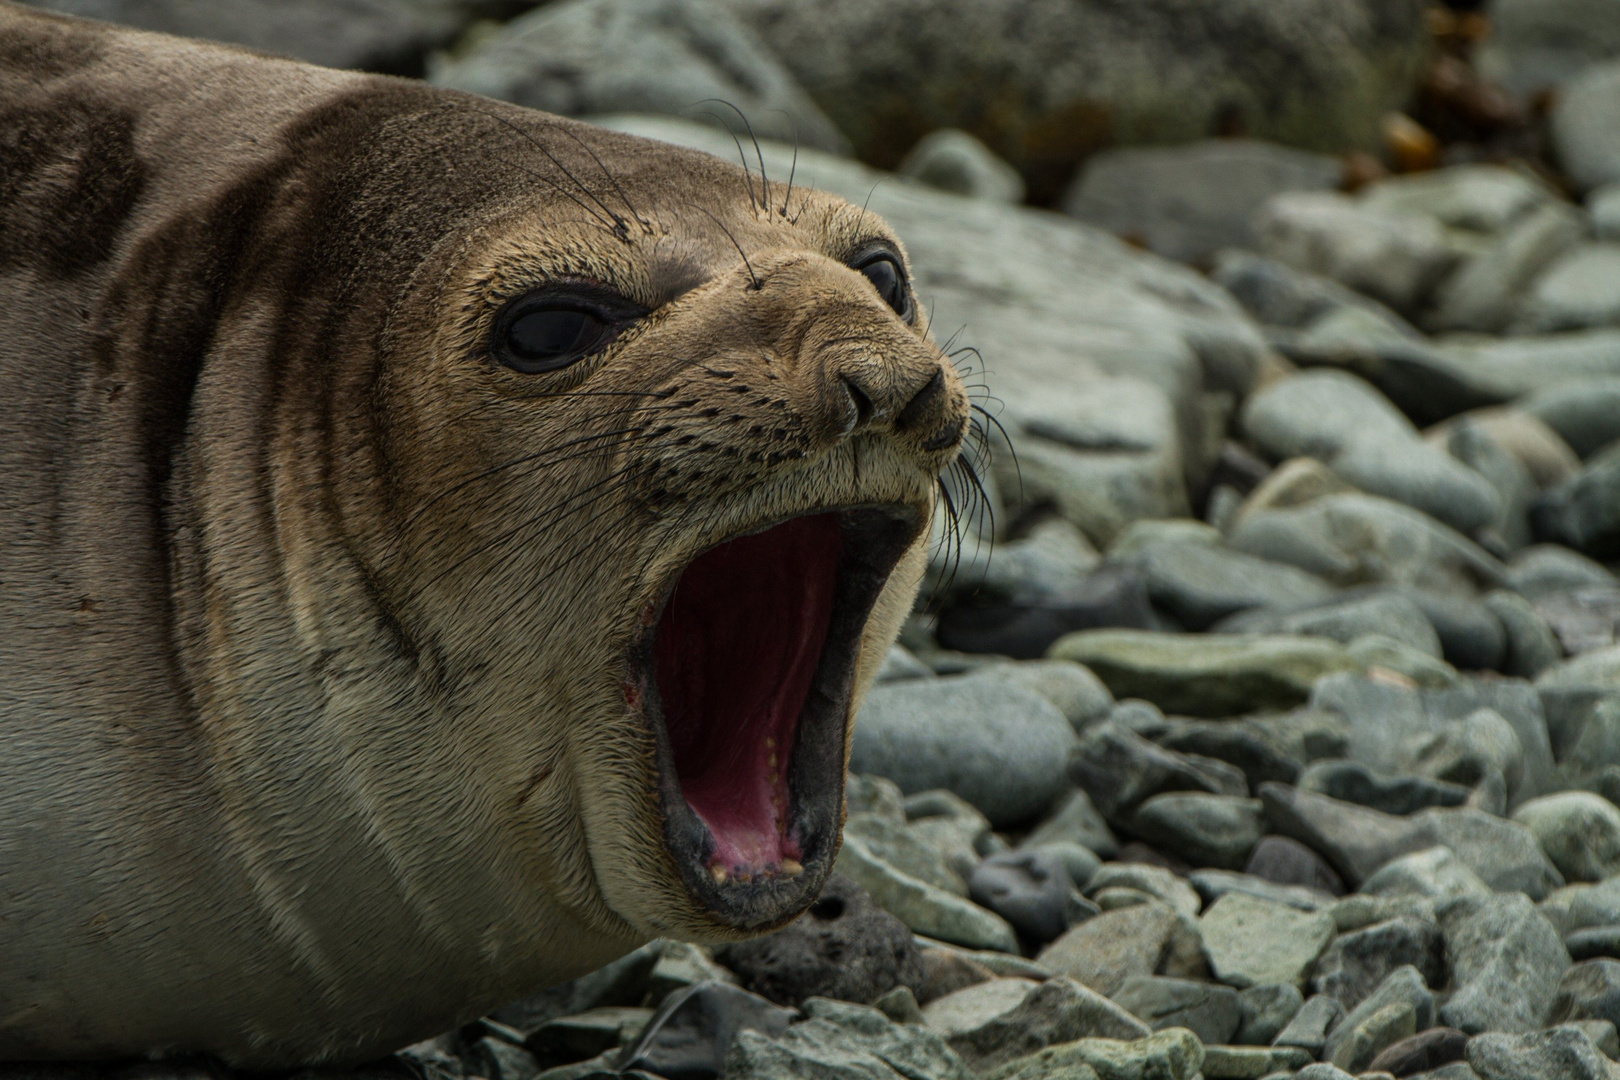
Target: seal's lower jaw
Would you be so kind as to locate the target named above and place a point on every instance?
(752, 665)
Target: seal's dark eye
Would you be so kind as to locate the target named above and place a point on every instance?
(884, 274)
(547, 334)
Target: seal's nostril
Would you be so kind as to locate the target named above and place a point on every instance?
(862, 401)
(924, 403)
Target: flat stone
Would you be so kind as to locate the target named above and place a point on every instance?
(966, 735)
(972, 1006)
(1210, 1011)
(1581, 411)
(1203, 829)
(923, 907)
(845, 946)
(1594, 942)
(1579, 831)
(1433, 872)
(1202, 583)
(1308, 1030)
(1250, 1062)
(1252, 942)
(1357, 963)
(1560, 1053)
(1167, 1055)
(1506, 962)
(1145, 939)
(1356, 841)
(1200, 675)
(1344, 620)
(1276, 294)
(851, 1042)
(1059, 1010)
(906, 850)
(1504, 854)
(1214, 884)
(1188, 201)
(1286, 862)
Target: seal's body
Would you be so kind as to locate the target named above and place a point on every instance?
(432, 559)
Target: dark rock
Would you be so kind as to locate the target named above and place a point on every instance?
(624, 982)
(688, 1036)
(1593, 943)
(1357, 963)
(1147, 939)
(1471, 637)
(1024, 629)
(1506, 961)
(1030, 889)
(1584, 511)
(1353, 782)
(1267, 1010)
(1587, 991)
(1285, 861)
(1356, 841)
(1234, 744)
(1424, 1051)
(576, 1038)
(1120, 769)
(1200, 583)
(1209, 1010)
(1344, 619)
(1203, 829)
(1148, 855)
(844, 947)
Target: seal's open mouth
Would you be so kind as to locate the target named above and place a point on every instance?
(747, 675)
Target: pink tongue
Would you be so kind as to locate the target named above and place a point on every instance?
(736, 651)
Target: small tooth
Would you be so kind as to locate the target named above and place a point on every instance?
(770, 743)
(719, 874)
(792, 867)
(745, 878)
(771, 761)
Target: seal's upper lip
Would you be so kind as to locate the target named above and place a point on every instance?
(745, 680)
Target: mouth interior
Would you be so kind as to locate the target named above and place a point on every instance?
(735, 655)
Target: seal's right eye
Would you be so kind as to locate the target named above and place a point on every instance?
(549, 330)
(546, 338)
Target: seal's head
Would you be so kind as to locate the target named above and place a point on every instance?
(675, 437)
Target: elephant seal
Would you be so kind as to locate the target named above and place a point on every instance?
(441, 545)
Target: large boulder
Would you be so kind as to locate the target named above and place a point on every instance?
(377, 35)
(581, 57)
(1045, 82)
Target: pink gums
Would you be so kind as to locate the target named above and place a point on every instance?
(737, 649)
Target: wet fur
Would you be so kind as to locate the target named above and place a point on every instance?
(312, 619)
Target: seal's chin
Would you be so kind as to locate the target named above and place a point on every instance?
(748, 675)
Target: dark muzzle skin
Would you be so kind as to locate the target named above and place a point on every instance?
(441, 546)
